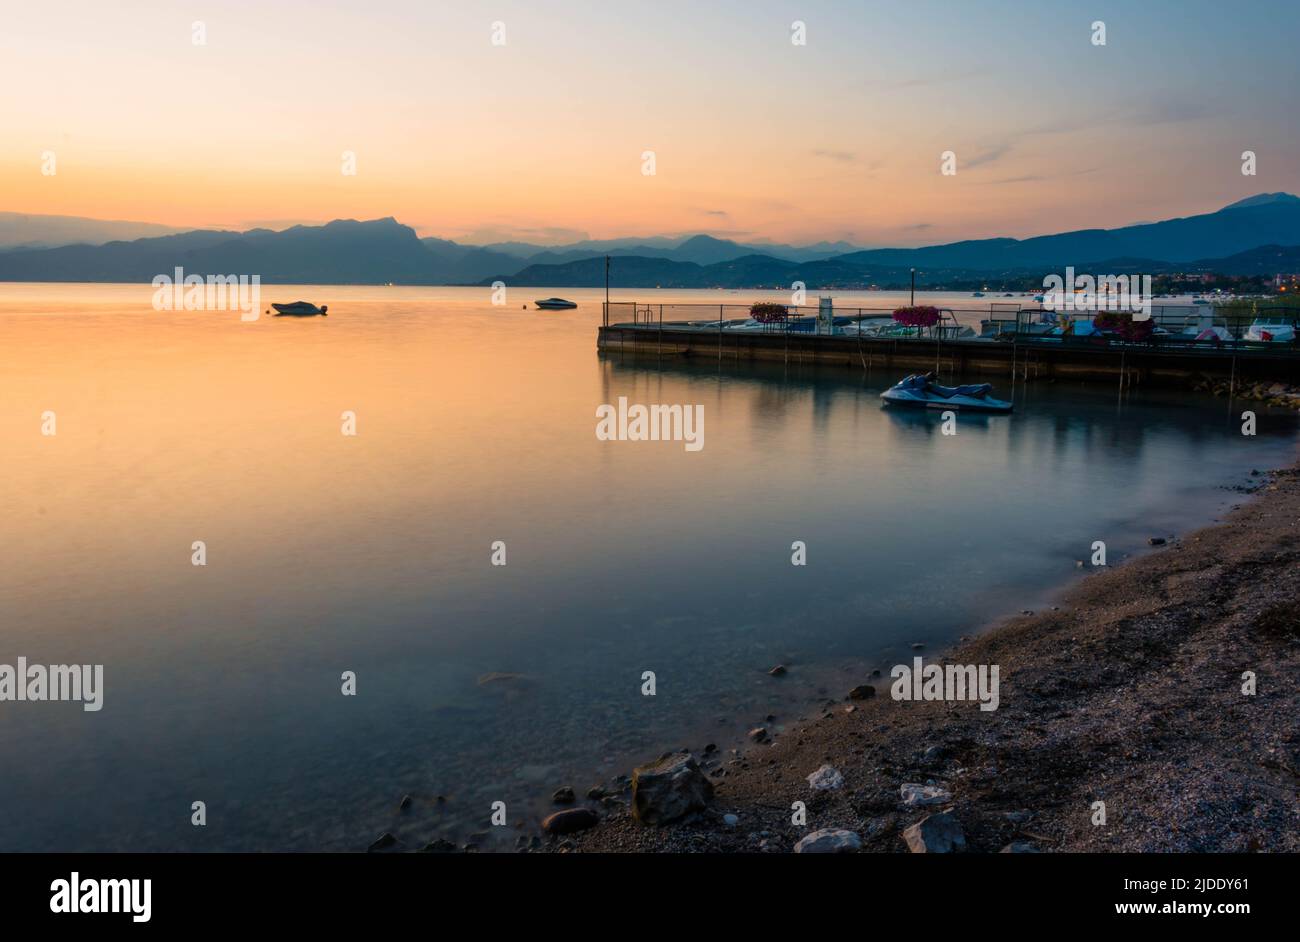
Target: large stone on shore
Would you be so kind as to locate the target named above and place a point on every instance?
(570, 821)
(922, 796)
(673, 787)
(936, 834)
(829, 841)
(826, 779)
(385, 841)
(862, 692)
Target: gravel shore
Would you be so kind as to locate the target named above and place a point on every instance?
(1129, 692)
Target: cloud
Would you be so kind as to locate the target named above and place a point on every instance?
(1161, 108)
(1036, 177)
(538, 235)
(276, 224)
(842, 156)
(989, 156)
(1028, 178)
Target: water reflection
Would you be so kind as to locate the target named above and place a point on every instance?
(372, 554)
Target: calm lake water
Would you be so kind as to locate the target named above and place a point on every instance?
(328, 553)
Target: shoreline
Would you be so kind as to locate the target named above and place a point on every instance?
(1128, 691)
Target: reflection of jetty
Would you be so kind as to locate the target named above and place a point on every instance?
(1011, 341)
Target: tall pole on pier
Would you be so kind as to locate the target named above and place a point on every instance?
(607, 282)
(913, 301)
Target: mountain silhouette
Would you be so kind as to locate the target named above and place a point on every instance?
(341, 252)
(379, 251)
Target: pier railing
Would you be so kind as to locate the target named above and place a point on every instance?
(1006, 321)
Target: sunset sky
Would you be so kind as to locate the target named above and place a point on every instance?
(755, 138)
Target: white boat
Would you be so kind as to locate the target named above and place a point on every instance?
(1272, 329)
(554, 304)
(300, 309)
(921, 391)
(1028, 321)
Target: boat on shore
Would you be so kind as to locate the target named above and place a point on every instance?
(1271, 329)
(301, 309)
(554, 304)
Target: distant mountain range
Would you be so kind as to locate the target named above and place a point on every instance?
(341, 252)
(469, 264)
(845, 272)
(1256, 236)
(27, 231)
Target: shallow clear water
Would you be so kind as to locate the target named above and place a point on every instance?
(328, 553)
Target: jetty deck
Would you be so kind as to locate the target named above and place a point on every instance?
(714, 330)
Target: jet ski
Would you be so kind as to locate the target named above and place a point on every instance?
(300, 309)
(921, 390)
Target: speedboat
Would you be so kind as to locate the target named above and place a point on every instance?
(300, 309)
(1272, 330)
(922, 391)
(554, 304)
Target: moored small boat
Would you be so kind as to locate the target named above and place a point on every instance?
(554, 304)
(1271, 329)
(921, 391)
(300, 309)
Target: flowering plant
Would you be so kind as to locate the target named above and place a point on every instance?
(766, 312)
(1123, 324)
(921, 315)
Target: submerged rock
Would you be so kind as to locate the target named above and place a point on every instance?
(563, 795)
(829, 841)
(439, 846)
(498, 678)
(669, 789)
(826, 778)
(862, 692)
(778, 671)
(936, 834)
(920, 796)
(1019, 847)
(570, 821)
(758, 733)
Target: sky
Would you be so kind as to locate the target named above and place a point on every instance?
(543, 138)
